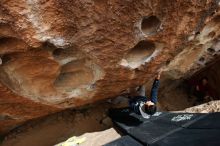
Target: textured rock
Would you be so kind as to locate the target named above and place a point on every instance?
(210, 107)
(203, 47)
(60, 54)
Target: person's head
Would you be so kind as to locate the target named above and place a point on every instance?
(204, 80)
(150, 108)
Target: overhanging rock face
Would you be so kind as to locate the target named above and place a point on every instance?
(60, 54)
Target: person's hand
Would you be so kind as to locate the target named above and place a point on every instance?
(158, 74)
(148, 103)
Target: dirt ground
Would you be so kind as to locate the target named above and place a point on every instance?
(90, 123)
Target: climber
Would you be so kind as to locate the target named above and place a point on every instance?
(143, 105)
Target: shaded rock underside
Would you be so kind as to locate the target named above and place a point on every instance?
(61, 54)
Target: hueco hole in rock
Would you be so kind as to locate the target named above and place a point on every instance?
(72, 72)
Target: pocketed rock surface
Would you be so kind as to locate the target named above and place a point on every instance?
(64, 54)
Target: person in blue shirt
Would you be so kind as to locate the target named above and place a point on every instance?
(143, 105)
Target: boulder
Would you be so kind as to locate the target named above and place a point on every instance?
(65, 54)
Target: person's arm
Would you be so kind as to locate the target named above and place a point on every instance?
(154, 90)
(155, 87)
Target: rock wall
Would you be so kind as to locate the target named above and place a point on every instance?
(61, 54)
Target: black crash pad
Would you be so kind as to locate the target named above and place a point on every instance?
(126, 119)
(168, 128)
(123, 119)
(153, 130)
(211, 121)
(191, 137)
(124, 141)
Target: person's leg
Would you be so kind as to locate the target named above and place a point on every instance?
(141, 91)
(200, 96)
(135, 102)
(120, 101)
(133, 105)
(154, 90)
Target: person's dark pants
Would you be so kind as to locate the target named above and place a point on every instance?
(200, 96)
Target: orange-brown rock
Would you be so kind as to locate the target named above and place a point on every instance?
(60, 54)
